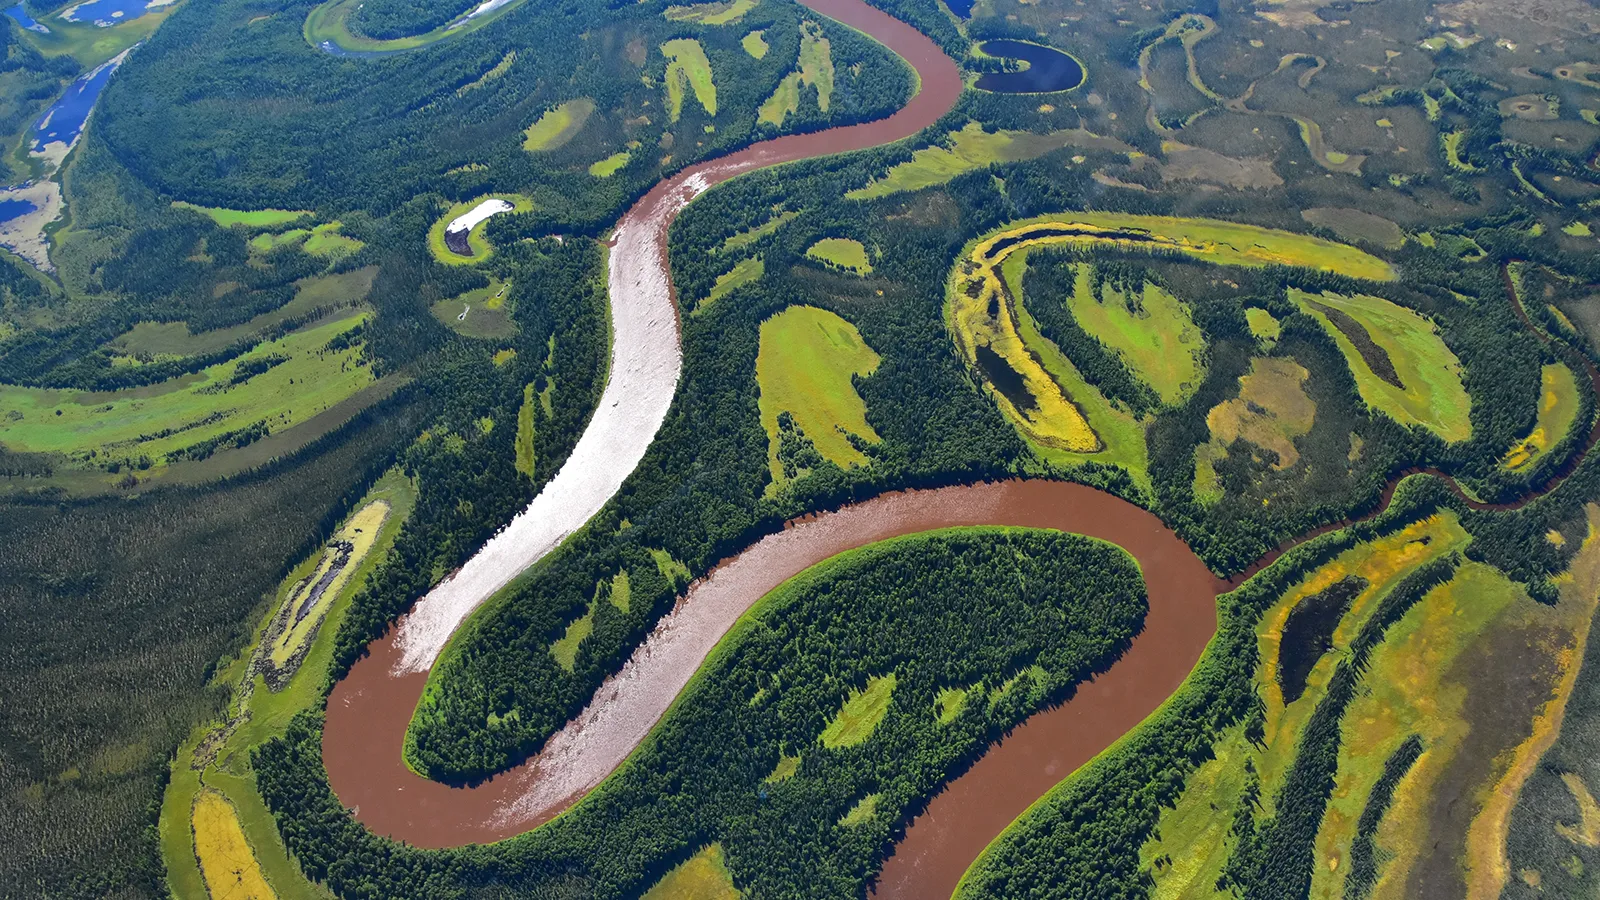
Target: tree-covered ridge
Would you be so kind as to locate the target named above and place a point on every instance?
(1015, 617)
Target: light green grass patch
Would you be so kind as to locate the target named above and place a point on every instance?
(746, 238)
(806, 366)
(813, 69)
(845, 253)
(327, 242)
(745, 271)
(267, 242)
(557, 125)
(621, 591)
(565, 650)
(1263, 325)
(703, 876)
(476, 242)
(525, 431)
(858, 718)
(249, 218)
(1577, 229)
(162, 419)
(611, 165)
(1451, 142)
(725, 12)
(1559, 404)
(669, 567)
(949, 703)
(862, 812)
(304, 616)
(480, 313)
(1155, 336)
(785, 769)
(963, 151)
(687, 67)
(330, 23)
(755, 44)
(1433, 396)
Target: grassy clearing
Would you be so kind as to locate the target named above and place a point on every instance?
(806, 367)
(842, 252)
(813, 69)
(1154, 334)
(329, 23)
(305, 377)
(308, 604)
(1430, 393)
(862, 812)
(229, 867)
(87, 42)
(249, 218)
(321, 293)
(746, 238)
(1271, 411)
(949, 704)
(725, 12)
(1559, 403)
(745, 271)
(859, 716)
(963, 151)
(482, 313)
(525, 432)
(557, 125)
(322, 240)
(703, 876)
(687, 67)
(785, 769)
(1450, 141)
(618, 592)
(755, 44)
(481, 250)
(1193, 839)
(611, 165)
(1263, 325)
(1210, 240)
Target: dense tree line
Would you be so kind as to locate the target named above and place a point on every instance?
(970, 609)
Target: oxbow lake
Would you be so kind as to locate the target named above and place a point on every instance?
(1049, 70)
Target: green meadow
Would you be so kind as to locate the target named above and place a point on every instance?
(1154, 334)
(963, 151)
(688, 68)
(843, 252)
(557, 125)
(805, 367)
(859, 716)
(481, 249)
(1559, 405)
(249, 218)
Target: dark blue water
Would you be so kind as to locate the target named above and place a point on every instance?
(64, 121)
(962, 8)
(11, 208)
(106, 12)
(26, 21)
(1048, 69)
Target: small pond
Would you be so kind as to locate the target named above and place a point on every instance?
(63, 122)
(106, 13)
(21, 17)
(12, 207)
(1048, 70)
(962, 8)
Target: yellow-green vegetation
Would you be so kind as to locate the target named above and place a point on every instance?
(1448, 39)
(611, 165)
(476, 242)
(858, 718)
(687, 67)
(1209, 240)
(87, 42)
(322, 240)
(557, 125)
(845, 253)
(494, 74)
(1153, 333)
(565, 650)
(216, 755)
(249, 218)
(725, 12)
(479, 313)
(745, 271)
(1192, 839)
(1577, 229)
(806, 367)
(746, 238)
(276, 385)
(320, 293)
(525, 431)
(307, 605)
(949, 703)
(1451, 142)
(962, 151)
(814, 69)
(669, 567)
(226, 862)
(1321, 153)
(862, 812)
(755, 44)
(1429, 392)
(703, 876)
(785, 769)
(1559, 403)
(1271, 411)
(1264, 325)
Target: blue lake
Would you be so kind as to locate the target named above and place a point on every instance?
(1049, 69)
(106, 12)
(10, 208)
(64, 121)
(22, 18)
